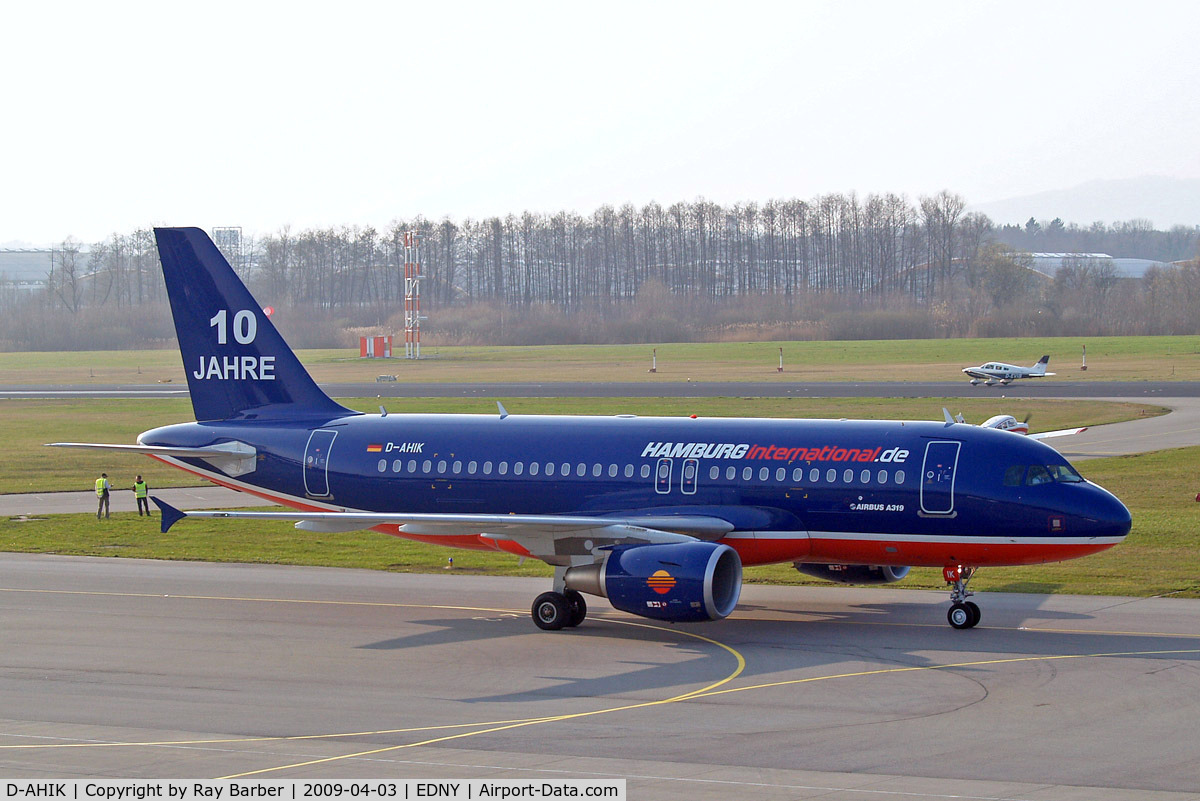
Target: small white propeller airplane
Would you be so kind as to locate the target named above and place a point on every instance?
(992, 373)
(1006, 422)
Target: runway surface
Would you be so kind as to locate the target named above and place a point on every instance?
(1144, 390)
(129, 668)
(58, 503)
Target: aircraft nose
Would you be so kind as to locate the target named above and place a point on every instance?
(1108, 516)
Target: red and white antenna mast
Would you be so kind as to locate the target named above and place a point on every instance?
(412, 295)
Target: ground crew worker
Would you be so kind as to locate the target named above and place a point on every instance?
(142, 493)
(102, 490)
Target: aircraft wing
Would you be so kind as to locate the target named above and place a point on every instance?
(543, 536)
(1065, 432)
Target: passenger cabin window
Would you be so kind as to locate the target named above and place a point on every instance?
(645, 471)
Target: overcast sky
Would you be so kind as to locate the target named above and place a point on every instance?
(120, 115)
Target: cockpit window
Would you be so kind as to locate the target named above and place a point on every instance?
(1038, 475)
(1065, 473)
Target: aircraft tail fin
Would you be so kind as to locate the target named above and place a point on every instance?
(1040, 367)
(237, 364)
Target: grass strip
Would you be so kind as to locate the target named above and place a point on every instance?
(29, 424)
(1160, 557)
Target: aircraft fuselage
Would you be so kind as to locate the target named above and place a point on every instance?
(831, 491)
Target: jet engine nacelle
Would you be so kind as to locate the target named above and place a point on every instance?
(681, 583)
(854, 574)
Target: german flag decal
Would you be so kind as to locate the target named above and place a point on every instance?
(661, 582)
(374, 448)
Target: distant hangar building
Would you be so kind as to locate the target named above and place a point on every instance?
(1048, 264)
(25, 268)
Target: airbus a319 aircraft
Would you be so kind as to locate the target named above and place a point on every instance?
(658, 515)
(992, 373)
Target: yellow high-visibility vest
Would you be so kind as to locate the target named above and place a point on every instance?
(100, 484)
(139, 489)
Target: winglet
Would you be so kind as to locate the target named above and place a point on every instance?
(170, 515)
(949, 420)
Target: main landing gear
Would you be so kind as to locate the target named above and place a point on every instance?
(963, 614)
(560, 608)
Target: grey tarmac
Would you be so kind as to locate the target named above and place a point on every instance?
(1144, 390)
(133, 668)
(129, 668)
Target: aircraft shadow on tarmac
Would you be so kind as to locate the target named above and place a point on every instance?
(822, 640)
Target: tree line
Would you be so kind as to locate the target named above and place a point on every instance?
(835, 266)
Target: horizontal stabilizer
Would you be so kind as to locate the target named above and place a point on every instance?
(170, 515)
(1066, 432)
(231, 458)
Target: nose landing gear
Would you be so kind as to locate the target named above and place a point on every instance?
(963, 614)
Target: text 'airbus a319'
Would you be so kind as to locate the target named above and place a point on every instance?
(658, 515)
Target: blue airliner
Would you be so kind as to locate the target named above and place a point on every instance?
(658, 515)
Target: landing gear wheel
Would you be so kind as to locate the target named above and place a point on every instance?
(973, 608)
(578, 608)
(961, 617)
(551, 611)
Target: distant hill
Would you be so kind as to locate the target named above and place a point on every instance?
(1164, 201)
